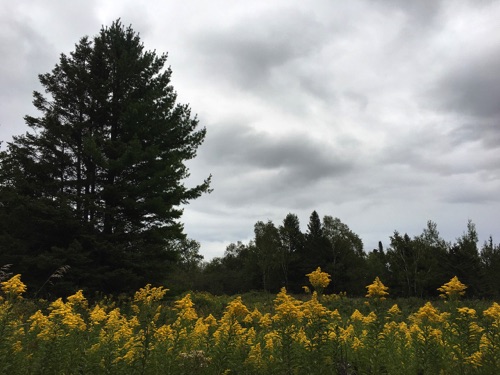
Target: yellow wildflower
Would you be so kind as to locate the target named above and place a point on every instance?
(356, 315)
(254, 316)
(377, 289)
(148, 295)
(77, 299)
(356, 344)
(313, 309)
(210, 320)
(335, 315)
(186, 308)
(255, 355)
(41, 323)
(452, 289)
(437, 335)
(318, 279)
(370, 318)
(302, 339)
(394, 310)
(475, 359)
(429, 313)
(65, 312)
(200, 329)
(467, 312)
(346, 333)
(237, 309)
(493, 311)
(164, 333)
(97, 315)
(13, 287)
(287, 307)
(265, 320)
(272, 339)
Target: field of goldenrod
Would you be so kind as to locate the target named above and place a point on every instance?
(316, 334)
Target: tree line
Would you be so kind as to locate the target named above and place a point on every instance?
(281, 256)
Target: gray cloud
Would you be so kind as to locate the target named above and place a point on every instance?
(251, 50)
(383, 113)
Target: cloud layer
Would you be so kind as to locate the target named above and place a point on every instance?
(385, 114)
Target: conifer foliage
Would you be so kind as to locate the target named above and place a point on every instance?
(98, 181)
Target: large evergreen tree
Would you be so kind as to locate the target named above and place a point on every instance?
(292, 244)
(98, 182)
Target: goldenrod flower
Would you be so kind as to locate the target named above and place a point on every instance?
(493, 311)
(287, 307)
(97, 315)
(467, 312)
(266, 320)
(428, 313)
(356, 344)
(377, 289)
(78, 299)
(453, 289)
(254, 317)
(210, 320)
(318, 279)
(370, 318)
(313, 309)
(65, 312)
(356, 315)
(475, 359)
(186, 308)
(237, 309)
(42, 324)
(346, 333)
(13, 287)
(272, 339)
(148, 295)
(394, 310)
(255, 355)
(164, 333)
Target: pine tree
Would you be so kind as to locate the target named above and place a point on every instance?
(107, 159)
(292, 244)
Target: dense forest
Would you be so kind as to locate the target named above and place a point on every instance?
(412, 267)
(91, 198)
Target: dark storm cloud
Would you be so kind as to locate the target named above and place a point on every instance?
(296, 156)
(254, 168)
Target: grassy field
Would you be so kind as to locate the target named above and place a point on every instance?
(255, 333)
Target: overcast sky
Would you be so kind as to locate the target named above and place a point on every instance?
(385, 114)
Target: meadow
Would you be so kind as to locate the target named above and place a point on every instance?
(255, 333)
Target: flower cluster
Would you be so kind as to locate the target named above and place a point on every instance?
(377, 290)
(453, 289)
(318, 279)
(14, 287)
